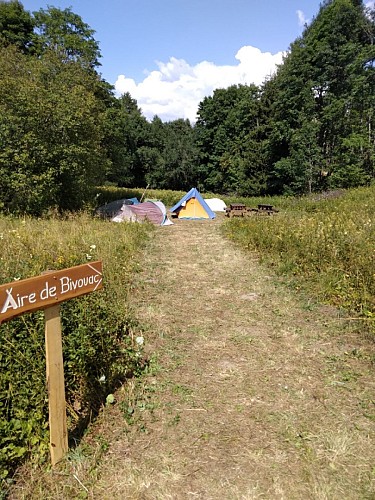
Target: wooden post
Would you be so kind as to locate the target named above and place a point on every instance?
(55, 383)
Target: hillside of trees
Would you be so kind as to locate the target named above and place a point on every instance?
(310, 127)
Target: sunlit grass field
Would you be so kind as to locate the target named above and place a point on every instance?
(326, 244)
(99, 331)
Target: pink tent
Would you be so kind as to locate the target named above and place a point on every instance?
(154, 212)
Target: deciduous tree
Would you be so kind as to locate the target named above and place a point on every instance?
(50, 132)
(16, 25)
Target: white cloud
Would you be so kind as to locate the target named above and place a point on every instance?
(176, 88)
(301, 18)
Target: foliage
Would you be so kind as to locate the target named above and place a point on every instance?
(326, 243)
(322, 104)
(50, 131)
(126, 140)
(16, 25)
(226, 130)
(308, 128)
(98, 345)
(65, 32)
(174, 165)
(159, 155)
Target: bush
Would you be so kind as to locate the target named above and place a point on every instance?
(98, 347)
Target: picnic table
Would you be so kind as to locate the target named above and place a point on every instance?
(236, 210)
(241, 210)
(266, 209)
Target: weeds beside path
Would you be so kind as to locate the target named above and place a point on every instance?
(254, 392)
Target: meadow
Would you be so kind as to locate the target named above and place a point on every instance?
(323, 245)
(99, 333)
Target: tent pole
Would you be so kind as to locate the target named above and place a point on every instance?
(144, 192)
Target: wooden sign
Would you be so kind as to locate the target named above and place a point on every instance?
(49, 289)
(46, 292)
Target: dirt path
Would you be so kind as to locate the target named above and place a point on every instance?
(254, 393)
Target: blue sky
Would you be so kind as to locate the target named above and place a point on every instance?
(170, 54)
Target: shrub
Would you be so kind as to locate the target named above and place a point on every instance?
(98, 347)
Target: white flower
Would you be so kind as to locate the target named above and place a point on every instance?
(139, 340)
(102, 379)
(110, 399)
(92, 247)
(88, 256)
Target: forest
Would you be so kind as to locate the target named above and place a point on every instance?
(63, 130)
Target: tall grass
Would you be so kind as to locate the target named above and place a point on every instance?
(327, 243)
(98, 329)
(107, 194)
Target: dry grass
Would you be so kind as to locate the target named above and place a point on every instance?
(253, 392)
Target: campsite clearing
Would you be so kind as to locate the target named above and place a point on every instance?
(252, 391)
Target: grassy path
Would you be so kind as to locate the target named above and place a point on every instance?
(257, 393)
(253, 393)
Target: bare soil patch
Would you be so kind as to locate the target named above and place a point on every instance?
(253, 391)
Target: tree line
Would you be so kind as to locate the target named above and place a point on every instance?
(63, 131)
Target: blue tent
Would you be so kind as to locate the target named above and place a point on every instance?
(192, 206)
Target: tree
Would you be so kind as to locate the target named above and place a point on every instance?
(174, 165)
(64, 32)
(16, 25)
(51, 127)
(227, 124)
(127, 139)
(322, 93)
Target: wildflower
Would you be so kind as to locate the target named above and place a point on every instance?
(88, 256)
(102, 379)
(92, 247)
(110, 399)
(139, 340)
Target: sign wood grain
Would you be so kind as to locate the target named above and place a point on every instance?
(49, 289)
(58, 432)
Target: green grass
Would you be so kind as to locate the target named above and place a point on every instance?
(324, 245)
(99, 333)
(327, 244)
